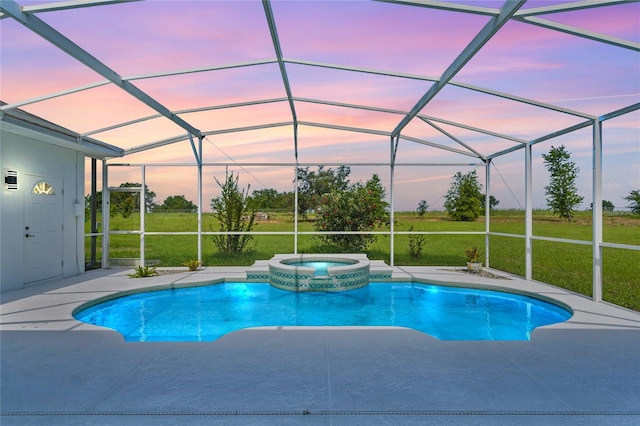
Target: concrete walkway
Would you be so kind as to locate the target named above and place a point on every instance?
(57, 371)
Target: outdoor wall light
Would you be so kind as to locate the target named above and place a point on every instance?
(11, 179)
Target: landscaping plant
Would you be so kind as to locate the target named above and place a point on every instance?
(143, 271)
(193, 265)
(416, 243)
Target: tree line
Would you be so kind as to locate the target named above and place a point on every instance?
(339, 205)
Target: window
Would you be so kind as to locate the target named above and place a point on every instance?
(43, 188)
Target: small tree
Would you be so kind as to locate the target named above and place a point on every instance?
(357, 208)
(607, 206)
(269, 198)
(313, 185)
(634, 199)
(176, 203)
(233, 215)
(562, 192)
(462, 201)
(493, 201)
(126, 203)
(422, 207)
(264, 199)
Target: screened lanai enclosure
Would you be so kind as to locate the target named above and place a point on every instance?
(178, 93)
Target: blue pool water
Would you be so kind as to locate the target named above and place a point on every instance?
(209, 312)
(321, 266)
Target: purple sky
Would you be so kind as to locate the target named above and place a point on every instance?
(154, 36)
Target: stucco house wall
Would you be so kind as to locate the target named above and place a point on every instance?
(20, 151)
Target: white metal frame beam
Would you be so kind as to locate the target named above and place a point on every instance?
(485, 34)
(452, 137)
(545, 137)
(568, 7)
(432, 4)
(423, 117)
(545, 23)
(64, 5)
(180, 138)
(439, 146)
(200, 69)
(283, 68)
(454, 83)
(183, 111)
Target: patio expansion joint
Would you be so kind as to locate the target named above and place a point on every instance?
(328, 413)
(103, 397)
(328, 360)
(536, 380)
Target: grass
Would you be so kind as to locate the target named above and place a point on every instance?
(565, 265)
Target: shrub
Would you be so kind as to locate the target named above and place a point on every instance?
(416, 243)
(357, 208)
(472, 254)
(233, 214)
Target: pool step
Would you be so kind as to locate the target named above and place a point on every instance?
(259, 271)
(379, 271)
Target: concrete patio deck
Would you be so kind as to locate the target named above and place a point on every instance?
(58, 371)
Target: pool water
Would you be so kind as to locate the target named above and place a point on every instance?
(321, 266)
(209, 312)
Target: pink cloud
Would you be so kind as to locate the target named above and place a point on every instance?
(91, 109)
(386, 36)
(216, 87)
(168, 35)
(24, 75)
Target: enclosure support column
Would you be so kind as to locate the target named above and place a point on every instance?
(597, 210)
(528, 215)
(295, 209)
(295, 190)
(394, 149)
(94, 227)
(106, 226)
(199, 160)
(487, 210)
(391, 219)
(143, 204)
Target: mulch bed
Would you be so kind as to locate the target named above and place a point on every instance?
(482, 273)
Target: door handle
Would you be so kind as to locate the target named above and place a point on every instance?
(29, 236)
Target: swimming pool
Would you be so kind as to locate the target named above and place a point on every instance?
(206, 313)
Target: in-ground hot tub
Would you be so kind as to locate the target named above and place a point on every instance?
(319, 272)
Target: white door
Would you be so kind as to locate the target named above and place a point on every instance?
(42, 228)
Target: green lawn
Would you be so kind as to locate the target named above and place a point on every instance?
(565, 265)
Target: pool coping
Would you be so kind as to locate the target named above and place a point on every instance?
(585, 312)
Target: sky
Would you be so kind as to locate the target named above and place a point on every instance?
(141, 38)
